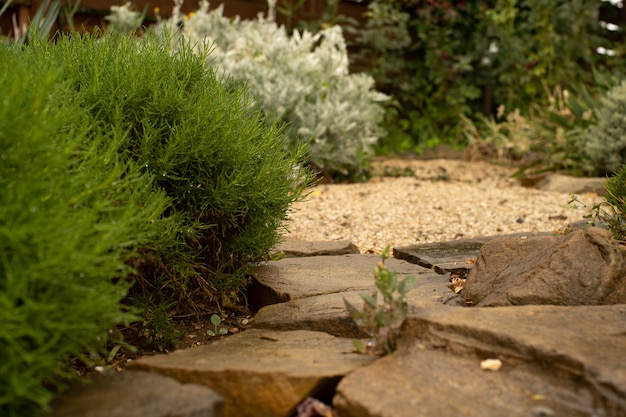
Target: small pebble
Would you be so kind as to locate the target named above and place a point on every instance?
(491, 364)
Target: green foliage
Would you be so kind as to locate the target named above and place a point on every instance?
(123, 164)
(382, 320)
(605, 144)
(541, 41)
(68, 222)
(219, 160)
(616, 199)
(423, 55)
(610, 215)
(442, 60)
(302, 78)
(545, 139)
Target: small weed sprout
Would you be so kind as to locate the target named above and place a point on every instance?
(382, 321)
(217, 330)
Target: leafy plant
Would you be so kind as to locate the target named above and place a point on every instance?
(218, 158)
(382, 320)
(302, 78)
(217, 330)
(616, 199)
(440, 60)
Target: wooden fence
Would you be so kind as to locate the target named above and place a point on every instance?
(91, 13)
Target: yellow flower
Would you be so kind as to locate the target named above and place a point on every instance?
(157, 10)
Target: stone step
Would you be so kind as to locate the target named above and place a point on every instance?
(555, 360)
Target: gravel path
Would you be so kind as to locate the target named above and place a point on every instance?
(444, 200)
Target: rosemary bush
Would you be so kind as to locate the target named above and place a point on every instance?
(68, 223)
(218, 158)
(122, 163)
(302, 78)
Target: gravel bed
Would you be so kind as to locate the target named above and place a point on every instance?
(444, 200)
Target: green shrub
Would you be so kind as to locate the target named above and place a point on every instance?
(67, 224)
(616, 199)
(219, 159)
(124, 163)
(611, 214)
(605, 144)
(302, 78)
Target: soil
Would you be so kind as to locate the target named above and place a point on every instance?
(191, 331)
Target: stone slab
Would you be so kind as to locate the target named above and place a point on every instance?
(262, 373)
(432, 383)
(291, 247)
(559, 361)
(457, 256)
(293, 278)
(327, 313)
(137, 394)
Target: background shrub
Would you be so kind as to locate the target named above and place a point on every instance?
(605, 144)
(442, 60)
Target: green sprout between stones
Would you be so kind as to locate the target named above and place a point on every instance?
(382, 321)
(217, 330)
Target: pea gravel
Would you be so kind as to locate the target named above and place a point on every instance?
(444, 200)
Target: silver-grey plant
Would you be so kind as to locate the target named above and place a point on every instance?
(605, 143)
(302, 77)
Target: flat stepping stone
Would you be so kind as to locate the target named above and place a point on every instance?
(556, 361)
(137, 394)
(292, 247)
(293, 278)
(327, 312)
(262, 372)
(457, 256)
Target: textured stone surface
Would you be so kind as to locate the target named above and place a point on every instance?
(327, 312)
(585, 267)
(567, 360)
(137, 394)
(442, 257)
(292, 247)
(455, 256)
(293, 278)
(262, 373)
(556, 360)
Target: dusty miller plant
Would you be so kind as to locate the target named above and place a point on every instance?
(302, 77)
(124, 19)
(381, 319)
